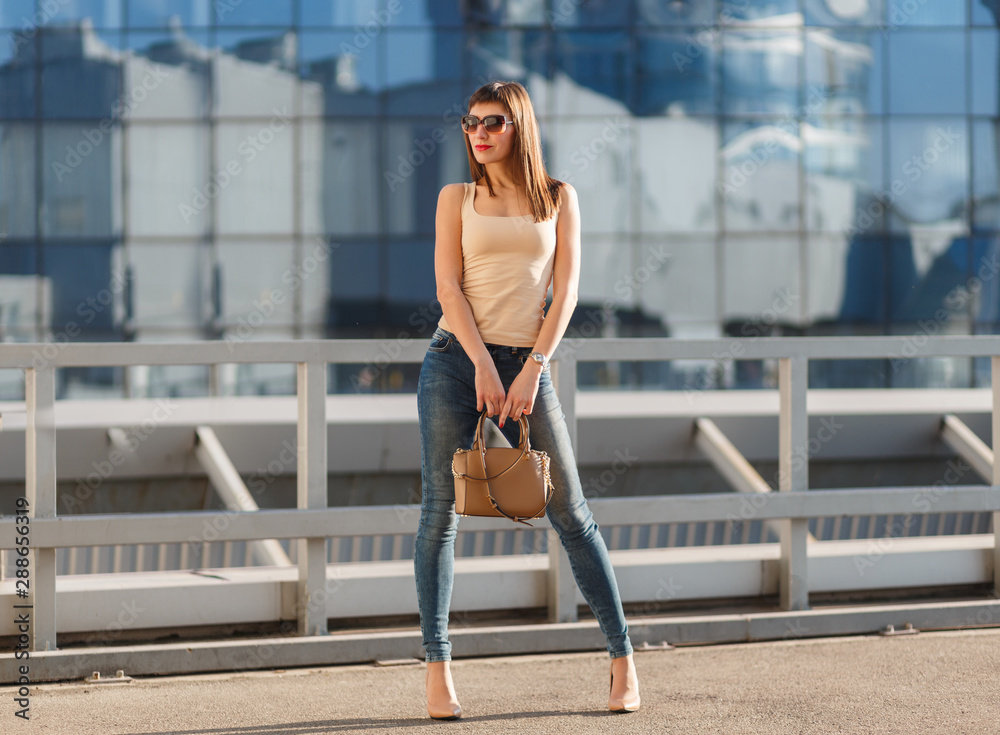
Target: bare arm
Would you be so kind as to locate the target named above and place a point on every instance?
(448, 273)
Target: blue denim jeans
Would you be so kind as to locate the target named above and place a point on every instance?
(446, 406)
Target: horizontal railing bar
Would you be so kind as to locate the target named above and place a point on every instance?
(339, 351)
(199, 526)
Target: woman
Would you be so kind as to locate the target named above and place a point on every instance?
(499, 242)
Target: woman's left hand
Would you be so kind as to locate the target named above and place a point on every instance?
(522, 392)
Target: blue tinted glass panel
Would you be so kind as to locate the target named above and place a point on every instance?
(677, 72)
(102, 13)
(760, 71)
(685, 12)
(19, 14)
(844, 72)
(18, 258)
(85, 290)
(254, 281)
(80, 181)
(421, 157)
(985, 63)
(985, 189)
(604, 13)
(419, 58)
(18, 77)
(681, 284)
(844, 12)
(928, 173)
(343, 13)
(166, 13)
(985, 13)
(762, 280)
(778, 12)
(927, 276)
(927, 72)
(170, 282)
(18, 207)
(355, 289)
(903, 13)
(513, 56)
(599, 62)
(347, 82)
(984, 278)
(252, 13)
(858, 268)
(257, 73)
(411, 274)
(760, 169)
(844, 175)
(506, 12)
(81, 75)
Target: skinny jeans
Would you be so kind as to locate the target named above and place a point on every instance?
(446, 407)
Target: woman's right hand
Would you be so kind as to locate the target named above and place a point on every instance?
(489, 389)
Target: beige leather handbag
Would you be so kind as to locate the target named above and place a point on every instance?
(501, 481)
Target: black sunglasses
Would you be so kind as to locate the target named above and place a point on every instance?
(492, 123)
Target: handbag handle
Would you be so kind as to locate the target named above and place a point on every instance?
(525, 448)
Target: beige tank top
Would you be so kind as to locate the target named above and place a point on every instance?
(507, 269)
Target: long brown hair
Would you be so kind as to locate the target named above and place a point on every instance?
(527, 164)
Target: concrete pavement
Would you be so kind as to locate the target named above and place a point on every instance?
(929, 683)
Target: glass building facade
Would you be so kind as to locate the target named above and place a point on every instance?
(269, 169)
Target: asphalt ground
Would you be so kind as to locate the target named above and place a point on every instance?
(928, 683)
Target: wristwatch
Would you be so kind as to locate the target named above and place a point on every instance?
(541, 359)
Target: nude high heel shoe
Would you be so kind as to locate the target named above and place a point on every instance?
(628, 700)
(442, 704)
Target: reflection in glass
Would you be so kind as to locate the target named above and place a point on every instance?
(513, 55)
(81, 72)
(168, 76)
(19, 14)
(599, 62)
(252, 177)
(677, 72)
(344, 72)
(760, 71)
(678, 284)
(421, 157)
(80, 183)
(25, 298)
(985, 188)
(410, 279)
(505, 12)
(594, 155)
(18, 76)
(168, 165)
(682, 12)
(346, 13)
(928, 271)
(844, 71)
(761, 284)
(927, 72)
(985, 80)
(88, 288)
(777, 12)
(670, 202)
(169, 283)
(17, 180)
(901, 13)
(256, 75)
(355, 290)
(929, 167)
(253, 13)
(844, 174)
(255, 292)
(101, 13)
(844, 12)
(984, 13)
(606, 271)
(340, 182)
(170, 13)
(760, 175)
(984, 284)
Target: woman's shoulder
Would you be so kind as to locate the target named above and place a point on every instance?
(451, 195)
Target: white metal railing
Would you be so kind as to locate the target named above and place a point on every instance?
(312, 523)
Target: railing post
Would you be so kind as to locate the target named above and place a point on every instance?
(995, 375)
(40, 482)
(312, 478)
(793, 476)
(561, 584)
